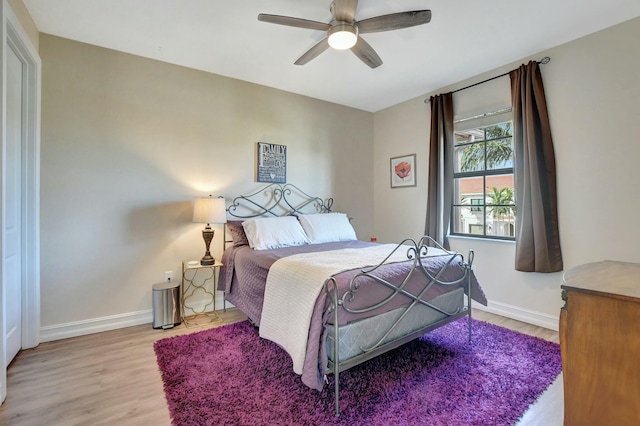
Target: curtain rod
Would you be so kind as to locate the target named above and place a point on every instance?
(543, 61)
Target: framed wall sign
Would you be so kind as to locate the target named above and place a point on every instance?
(403, 171)
(271, 163)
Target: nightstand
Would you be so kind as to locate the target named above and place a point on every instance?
(198, 289)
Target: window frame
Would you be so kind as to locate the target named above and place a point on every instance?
(483, 173)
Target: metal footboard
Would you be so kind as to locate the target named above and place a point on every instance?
(416, 253)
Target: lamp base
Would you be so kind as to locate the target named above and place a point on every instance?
(207, 235)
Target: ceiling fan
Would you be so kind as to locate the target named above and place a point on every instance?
(343, 32)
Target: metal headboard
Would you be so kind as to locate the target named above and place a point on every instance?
(278, 200)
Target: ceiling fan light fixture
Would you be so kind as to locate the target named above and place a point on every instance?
(343, 36)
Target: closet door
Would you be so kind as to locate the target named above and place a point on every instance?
(13, 207)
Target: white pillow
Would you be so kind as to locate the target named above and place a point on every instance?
(273, 232)
(327, 227)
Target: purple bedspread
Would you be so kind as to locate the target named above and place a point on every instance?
(244, 274)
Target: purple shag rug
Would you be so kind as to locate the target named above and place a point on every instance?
(230, 376)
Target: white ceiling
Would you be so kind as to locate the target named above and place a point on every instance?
(463, 39)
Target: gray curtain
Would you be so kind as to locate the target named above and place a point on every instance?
(440, 169)
(537, 237)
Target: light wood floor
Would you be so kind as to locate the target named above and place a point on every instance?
(112, 378)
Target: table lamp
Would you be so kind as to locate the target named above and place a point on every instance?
(209, 210)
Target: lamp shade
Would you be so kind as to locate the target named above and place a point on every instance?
(209, 210)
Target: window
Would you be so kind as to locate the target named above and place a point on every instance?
(476, 202)
(484, 193)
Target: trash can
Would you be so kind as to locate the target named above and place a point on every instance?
(166, 305)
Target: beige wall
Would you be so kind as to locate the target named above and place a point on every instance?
(127, 143)
(593, 95)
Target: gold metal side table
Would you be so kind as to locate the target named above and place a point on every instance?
(198, 287)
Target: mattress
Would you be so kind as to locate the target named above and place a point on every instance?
(367, 332)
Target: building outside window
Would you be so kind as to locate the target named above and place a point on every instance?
(484, 193)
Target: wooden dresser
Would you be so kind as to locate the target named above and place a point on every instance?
(600, 344)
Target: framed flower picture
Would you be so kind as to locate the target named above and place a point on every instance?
(403, 171)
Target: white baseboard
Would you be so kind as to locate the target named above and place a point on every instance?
(112, 322)
(520, 314)
(94, 325)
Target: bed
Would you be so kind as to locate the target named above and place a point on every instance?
(296, 269)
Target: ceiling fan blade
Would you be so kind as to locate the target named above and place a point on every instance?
(345, 10)
(293, 22)
(365, 52)
(394, 21)
(312, 53)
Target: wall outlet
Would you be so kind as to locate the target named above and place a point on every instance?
(168, 276)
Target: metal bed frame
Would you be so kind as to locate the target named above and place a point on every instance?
(415, 252)
(278, 200)
(288, 199)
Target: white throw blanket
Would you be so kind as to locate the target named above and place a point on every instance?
(294, 283)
